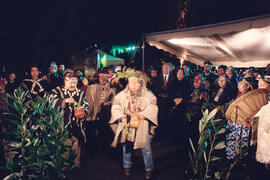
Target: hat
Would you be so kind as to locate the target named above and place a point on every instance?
(266, 78)
(3, 81)
(249, 74)
(230, 68)
(69, 73)
(151, 68)
(207, 63)
(104, 72)
(53, 65)
(250, 81)
(197, 79)
(223, 67)
(187, 63)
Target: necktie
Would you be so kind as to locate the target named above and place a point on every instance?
(165, 80)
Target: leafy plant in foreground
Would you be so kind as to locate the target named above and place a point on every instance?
(211, 140)
(37, 147)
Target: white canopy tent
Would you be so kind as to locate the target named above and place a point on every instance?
(240, 43)
(95, 59)
(107, 60)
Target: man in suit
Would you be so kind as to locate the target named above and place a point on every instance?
(163, 82)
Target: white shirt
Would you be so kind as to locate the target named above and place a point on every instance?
(165, 76)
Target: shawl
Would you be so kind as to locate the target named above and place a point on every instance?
(93, 98)
(147, 103)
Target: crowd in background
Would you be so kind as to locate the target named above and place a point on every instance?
(181, 94)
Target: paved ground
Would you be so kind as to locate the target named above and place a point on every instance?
(169, 165)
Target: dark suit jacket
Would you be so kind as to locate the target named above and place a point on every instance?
(161, 89)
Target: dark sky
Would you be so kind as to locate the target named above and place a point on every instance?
(44, 30)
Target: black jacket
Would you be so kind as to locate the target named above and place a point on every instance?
(227, 95)
(161, 88)
(179, 89)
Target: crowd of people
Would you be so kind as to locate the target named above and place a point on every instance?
(108, 106)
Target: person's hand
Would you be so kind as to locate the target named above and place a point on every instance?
(106, 103)
(219, 107)
(124, 121)
(77, 108)
(85, 81)
(44, 77)
(141, 117)
(177, 101)
(69, 100)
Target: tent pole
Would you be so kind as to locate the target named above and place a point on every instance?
(143, 51)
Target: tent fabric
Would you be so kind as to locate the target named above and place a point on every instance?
(241, 43)
(107, 60)
(94, 59)
(109, 57)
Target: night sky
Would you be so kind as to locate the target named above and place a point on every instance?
(39, 31)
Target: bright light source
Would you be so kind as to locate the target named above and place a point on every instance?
(177, 41)
(123, 49)
(194, 41)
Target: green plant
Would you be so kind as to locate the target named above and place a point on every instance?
(37, 147)
(240, 153)
(208, 157)
(77, 105)
(211, 140)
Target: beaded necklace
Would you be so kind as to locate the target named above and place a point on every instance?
(71, 94)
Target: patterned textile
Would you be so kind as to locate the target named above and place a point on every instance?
(135, 105)
(195, 95)
(146, 104)
(75, 125)
(238, 137)
(35, 87)
(199, 96)
(72, 123)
